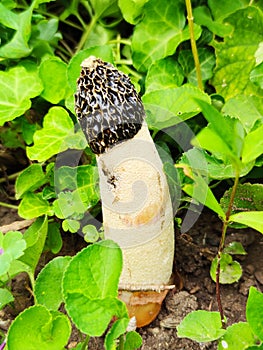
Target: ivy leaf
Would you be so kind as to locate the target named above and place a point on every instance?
(29, 180)
(202, 16)
(33, 205)
(230, 270)
(256, 76)
(17, 87)
(164, 74)
(201, 326)
(53, 74)
(207, 63)
(57, 132)
(131, 9)
(235, 56)
(18, 46)
(37, 325)
(224, 8)
(248, 109)
(105, 8)
(159, 33)
(169, 107)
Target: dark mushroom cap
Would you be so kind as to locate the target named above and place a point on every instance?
(107, 106)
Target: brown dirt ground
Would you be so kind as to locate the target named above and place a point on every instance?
(194, 251)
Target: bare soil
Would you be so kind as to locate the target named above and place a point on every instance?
(194, 252)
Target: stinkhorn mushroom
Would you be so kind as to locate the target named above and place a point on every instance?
(136, 205)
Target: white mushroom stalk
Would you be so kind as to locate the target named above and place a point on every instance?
(136, 205)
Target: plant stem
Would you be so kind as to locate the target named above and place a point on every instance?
(221, 247)
(10, 177)
(86, 33)
(85, 343)
(193, 43)
(6, 205)
(121, 342)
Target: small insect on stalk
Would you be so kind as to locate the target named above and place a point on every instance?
(136, 205)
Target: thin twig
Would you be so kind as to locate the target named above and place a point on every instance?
(7, 205)
(16, 225)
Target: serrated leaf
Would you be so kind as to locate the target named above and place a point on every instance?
(252, 219)
(164, 74)
(29, 180)
(90, 287)
(201, 326)
(48, 286)
(91, 234)
(37, 328)
(207, 63)
(53, 73)
(254, 312)
(104, 52)
(230, 270)
(169, 107)
(248, 109)
(17, 87)
(235, 56)
(70, 225)
(6, 297)
(253, 145)
(237, 337)
(33, 205)
(159, 33)
(57, 135)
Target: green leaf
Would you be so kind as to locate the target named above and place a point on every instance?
(70, 225)
(91, 234)
(48, 287)
(17, 87)
(252, 219)
(256, 76)
(248, 109)
(56, 136)
(53, 73)
(117, 329)
(230, 270)
(237, 337)
(201, 326)
(207, 63)
(164, 74)
(131, 9)
(159, 33)
(90, 287)
(202, 16)
(53, 241)
(254, 312)
(35, 237)
(18, 46)
(133, 341)
(235, 248)
(29, 180)
(248, 197)
(103, 52)
(33, 205)
(37, 328)
(12, 246)
(224, 8)
(235, 56)
(169, 107)
(253, 145)
(105, 8)
(6, 297)
(69, 205)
